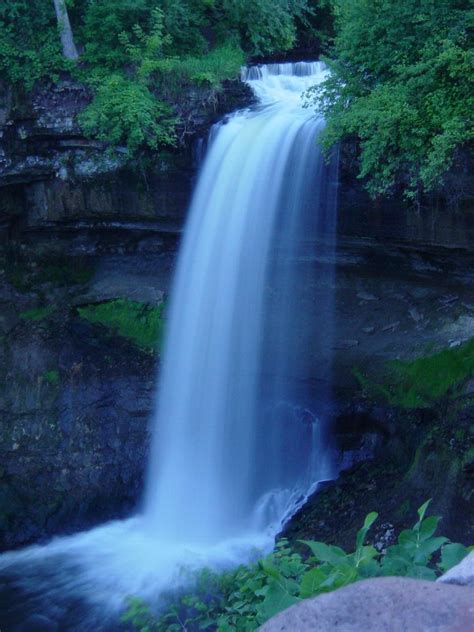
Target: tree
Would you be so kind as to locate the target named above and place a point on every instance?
(67, 39)
(401, 83)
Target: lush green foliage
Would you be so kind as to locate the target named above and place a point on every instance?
(141, 56)
(126, 112)
(157, 50)
(401, 81)
(257, 26)
(30, 47)
(263, 26)
(139, 322)
(425, 381)
(243, 599)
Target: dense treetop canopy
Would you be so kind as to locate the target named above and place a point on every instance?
(140, 56)
(401, 81)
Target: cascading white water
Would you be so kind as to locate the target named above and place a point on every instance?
(209, 457)
(234, 449)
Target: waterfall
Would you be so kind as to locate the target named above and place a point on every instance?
(239, 430)
(212, 462)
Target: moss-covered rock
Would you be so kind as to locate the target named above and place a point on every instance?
(139, 322)
(427, 380)
(74, 405)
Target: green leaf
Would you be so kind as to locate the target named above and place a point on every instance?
(421, 572)
(452, 554)
(270, 570)
(311, 582)
(422, 510)
(368, 522)
(341, 575)
(276, 600)
(261, 592)
(427, 548)
(324, 552)
(408, 538)
(370, 568)
(428, 527)
(365, 555)
(395, 565)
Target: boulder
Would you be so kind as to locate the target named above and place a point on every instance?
(385, 604)
(461, 574)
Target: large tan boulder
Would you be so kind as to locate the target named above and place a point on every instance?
(386, 604)
(461, 574)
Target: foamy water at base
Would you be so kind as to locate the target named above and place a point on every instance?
(86, 578)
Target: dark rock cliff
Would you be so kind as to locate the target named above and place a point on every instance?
(76, 399)
(50, 174)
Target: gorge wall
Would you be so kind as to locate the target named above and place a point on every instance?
(82, 228)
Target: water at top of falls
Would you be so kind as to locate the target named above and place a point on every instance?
(235, 447)
(284, 84)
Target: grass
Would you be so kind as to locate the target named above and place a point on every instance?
(220, 64)
(138, 322)
(422, 382)
(38, 313)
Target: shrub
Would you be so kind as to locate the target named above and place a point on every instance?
(126, 112)
(30, 47)
(242, 599)
(401, 82)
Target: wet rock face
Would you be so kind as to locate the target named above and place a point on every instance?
(75, 406)
(51, 174)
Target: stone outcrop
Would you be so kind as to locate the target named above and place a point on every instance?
(75, 406)
(462, 574)
(51, 174)
(391, 604)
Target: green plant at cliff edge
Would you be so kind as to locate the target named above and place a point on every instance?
(242, 599)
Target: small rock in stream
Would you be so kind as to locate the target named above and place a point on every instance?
(345, 344)
(366, 296)
(392, 326)
(415, 314)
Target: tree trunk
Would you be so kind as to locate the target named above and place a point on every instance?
(67, 40)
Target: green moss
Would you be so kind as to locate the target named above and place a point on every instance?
(212, 69)
(52, 377)
(425, 381)
(38, 313)
(468, 456)
(139, 322)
